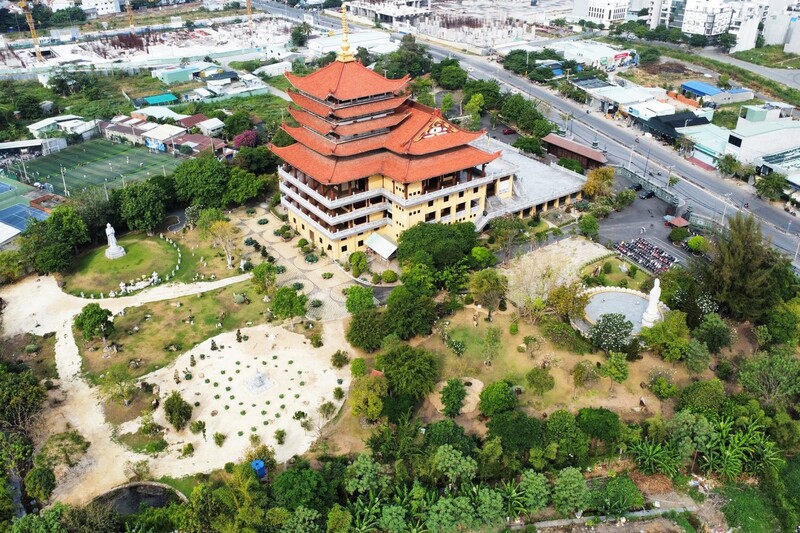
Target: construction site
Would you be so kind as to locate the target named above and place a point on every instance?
(152, 46)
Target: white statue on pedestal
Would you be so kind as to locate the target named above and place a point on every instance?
(114, 250)
(651, 314)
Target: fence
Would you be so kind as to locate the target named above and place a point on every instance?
(660, 191)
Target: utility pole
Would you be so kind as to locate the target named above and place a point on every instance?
(105, 188)
(64, 182)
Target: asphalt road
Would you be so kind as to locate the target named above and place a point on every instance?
(788, 77)
(705, 191)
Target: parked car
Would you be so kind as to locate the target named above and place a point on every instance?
(636, 187)
(647, 194)
(509, 131)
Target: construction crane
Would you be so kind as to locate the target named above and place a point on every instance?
(23, 4)
(250, 17)
(129, 9)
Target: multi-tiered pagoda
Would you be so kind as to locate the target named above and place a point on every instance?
(369, 160)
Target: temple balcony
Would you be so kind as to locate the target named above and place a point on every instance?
(304, 184)
(333, 233)
(327, 217)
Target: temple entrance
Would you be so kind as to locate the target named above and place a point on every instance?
(490, 189)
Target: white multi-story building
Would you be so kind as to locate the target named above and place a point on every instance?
(660, 13)
(706, 17)
(101, 7)
(601, 11)
(745, 21)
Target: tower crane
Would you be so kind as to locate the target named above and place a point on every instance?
(129, 9)
(250, 17)
(23, 4)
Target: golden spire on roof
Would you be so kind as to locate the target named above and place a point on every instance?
(345, 56)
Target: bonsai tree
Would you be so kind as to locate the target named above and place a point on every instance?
(177, 410)
(698, 244)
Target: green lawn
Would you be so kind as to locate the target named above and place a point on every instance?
(748, 510)
(770, 56)
(616, 276)
(94, 273)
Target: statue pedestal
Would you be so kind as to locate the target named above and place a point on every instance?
(115, 252)
(650, 317)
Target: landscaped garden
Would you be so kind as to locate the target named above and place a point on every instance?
(609, 272)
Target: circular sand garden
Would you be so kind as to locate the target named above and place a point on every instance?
(270, 384)
(94, 273)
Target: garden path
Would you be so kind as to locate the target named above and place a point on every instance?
(37, 305)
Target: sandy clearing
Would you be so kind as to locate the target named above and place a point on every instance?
(38, 305)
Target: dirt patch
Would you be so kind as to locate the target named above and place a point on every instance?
(40, 361)
(669, 67)
(652, 485)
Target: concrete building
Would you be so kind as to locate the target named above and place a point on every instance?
(172, 75)
(709, 142)
(780, 22)
(276, 69)
(605, 12)
(705, 92)
(377, 42)
(787, 162)
(592, 54)
(101, 7)
(48, 125)
(370, 163)
(763, 129)
(559, 147)
(160, 138)
(389, 12)
(706, 17)
(126, 129)
(659, 14)
(211, 127)
(745, 21)
(648, 110)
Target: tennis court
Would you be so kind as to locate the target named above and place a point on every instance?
(5, 187)
(94, 163)
(18, 216)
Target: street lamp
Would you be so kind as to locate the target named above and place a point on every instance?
(725, 210)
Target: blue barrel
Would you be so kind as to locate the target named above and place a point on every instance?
(260, 468)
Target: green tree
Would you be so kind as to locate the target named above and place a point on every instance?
(497, 398)
(93, 321)
(599, 424)
(359, 299)
(299, 486)
(243, 186)
(483, 257)
(287, 303)
(436, 245)
(536, 491)
(589, 226)
(410, 58)
(451, 465)
(367, 329)
(453, 77)
(365, 476)
(698, 244)
(571, 443)
(517, 431)
(366, 396)
(450, 515)
(782, 323)
(726, 41)
(177, 410)
(571, 164)
(615, 368)
(142, 206)
(411, 371)
(7, 507)
(704, 397)
(540, 381)
(299, 34)
(200, 510)
(488, 287)
(740, 273)
(118, 384)
(532, 145)
(611, 332)
(669, 337)
(40, 483)
(236, 123)
(47, 521)
(728, 165)
(772, 378)
(570, 493)
(447, 104)
(618, 496)
(584, 374)
(714, 332)
(202, 181)
(697, 356)
(489, 509)
(771, 186)
(408, 314)
(265, 279)
(339, 519)
(452, 397)
(393, 519)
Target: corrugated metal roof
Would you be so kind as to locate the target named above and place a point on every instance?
(381, 245)
(700, 88)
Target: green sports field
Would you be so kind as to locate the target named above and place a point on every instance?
(92, 163)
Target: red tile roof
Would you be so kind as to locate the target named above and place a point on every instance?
(345, 81)
(400, 168)
(323, 127)
(572, 146)
(191, 121)
(351, 111)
